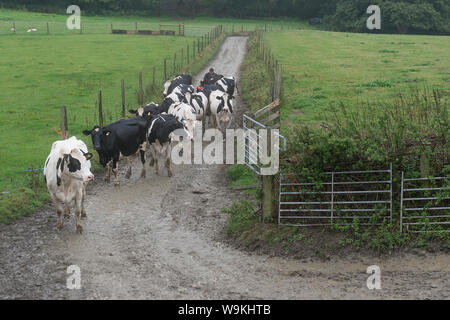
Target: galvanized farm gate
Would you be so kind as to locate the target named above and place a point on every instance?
(338, 196)
(425, 204)
(252, 156)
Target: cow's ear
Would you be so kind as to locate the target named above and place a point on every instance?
(87, 132)
(132, 111)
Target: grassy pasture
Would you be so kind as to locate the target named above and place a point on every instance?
(40, 72)
(198, 26)
(320, 68)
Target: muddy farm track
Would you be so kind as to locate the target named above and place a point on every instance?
(163, 238)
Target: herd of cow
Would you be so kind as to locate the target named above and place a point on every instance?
(68, 169)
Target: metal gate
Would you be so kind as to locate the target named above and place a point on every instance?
(425, 204)
(252, 148)
(338, 196)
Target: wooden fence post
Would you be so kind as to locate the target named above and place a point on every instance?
(174, 64)
(123, 97)
(48, 29)
(154, 78)
(165, 70)
(63, 121)
(100, 109)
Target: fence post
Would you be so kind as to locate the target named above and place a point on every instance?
(48, 29)
(123, 97)
(100, 109)
(63, 121)
(136, 27)
(154, 78)
(332, 197)
(165, 70)
(174, 64)
(401, 202)
(81, 27)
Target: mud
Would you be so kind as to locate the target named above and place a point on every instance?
(163, 238)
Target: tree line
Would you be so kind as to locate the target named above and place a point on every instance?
(398, 16)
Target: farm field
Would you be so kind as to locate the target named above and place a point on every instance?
(102, 24)
(322, 68)
(40, 72)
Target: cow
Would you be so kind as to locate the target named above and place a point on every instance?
(67, 171)
(186, 114)
(126, 137)
(221, 106)
(171, 99)
(199, 101)
(170, 85)
(147, 111)
(183, 89)
(228, 85)
(163, 128)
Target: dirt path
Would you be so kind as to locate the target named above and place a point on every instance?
(162, 238)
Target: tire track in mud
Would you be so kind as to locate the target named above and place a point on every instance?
(161, 238)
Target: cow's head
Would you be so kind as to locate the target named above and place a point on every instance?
(226, 103)
(76, 164)
(99, 136)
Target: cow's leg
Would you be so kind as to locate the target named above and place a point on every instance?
(218, 125)
(78, 205)
(83, 209)
(108, 172)
(168, 161)
(152, 160)
(130, 162)
(59, 209)
(116, 171)
(67, 210)
(143, 172)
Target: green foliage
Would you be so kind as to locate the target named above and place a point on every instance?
(396, 16)
(242, 217)
(398, 131)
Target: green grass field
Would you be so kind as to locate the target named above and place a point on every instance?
(40, 72)
(198, 26)
(321, 67)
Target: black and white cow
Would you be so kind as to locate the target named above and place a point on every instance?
(67, 170)
(199, 101)
(163, 129)
(221, 106)
(126, 137)
(172, 99)
(183, 89)
(228, 84)
(147, 111)
(170, 85)
(186, 114)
